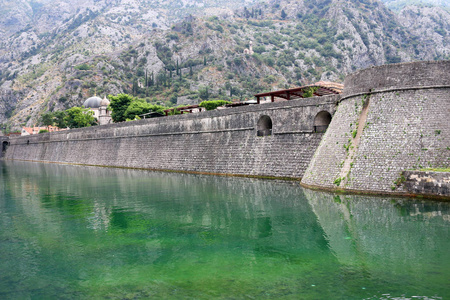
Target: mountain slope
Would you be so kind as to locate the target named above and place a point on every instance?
(108, 47)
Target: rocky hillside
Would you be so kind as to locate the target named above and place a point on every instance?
(54, 54)
(399, 4)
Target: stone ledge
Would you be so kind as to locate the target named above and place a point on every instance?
(427, 183)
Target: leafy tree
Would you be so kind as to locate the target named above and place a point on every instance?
(118, 105)
(77, 117)
(139, 106)
(43, 131)
(59, 119)
(283, 14)
(47, 119)
(213, 104)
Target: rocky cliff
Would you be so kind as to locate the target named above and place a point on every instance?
(56, 53)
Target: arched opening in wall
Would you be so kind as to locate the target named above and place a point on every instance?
(321, 121)
(4, 146)
(264, 126)
(28, 142)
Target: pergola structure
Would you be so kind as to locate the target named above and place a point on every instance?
(182, 109)
(320, 88)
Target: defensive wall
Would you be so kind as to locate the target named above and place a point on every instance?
(390, 119)
(273, 139)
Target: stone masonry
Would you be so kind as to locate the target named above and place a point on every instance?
(218, 142)
(389, 119)
(405, 125)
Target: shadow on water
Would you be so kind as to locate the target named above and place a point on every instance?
(86, 232)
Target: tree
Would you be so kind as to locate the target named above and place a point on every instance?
(283, 14)
(119, 104)
(59, 119)
(77, 117)
(203, 93)
(139, 106)
(47, 119)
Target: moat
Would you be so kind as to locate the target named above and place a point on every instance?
(76, 232)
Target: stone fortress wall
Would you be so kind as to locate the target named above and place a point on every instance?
(218, 142)
(390, 119)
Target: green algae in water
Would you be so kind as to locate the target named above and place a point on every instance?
(71, 232)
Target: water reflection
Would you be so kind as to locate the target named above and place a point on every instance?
(400, 240)
(95, 232)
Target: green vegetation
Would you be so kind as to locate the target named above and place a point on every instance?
(337, 181)
(119, 105)
(125, 107)
(138, 107)
(83, 67)
(436, 169)
(43, 131)
(75, 117)
(47, 119)
(309, 92)
(398, 182)
(213, 104)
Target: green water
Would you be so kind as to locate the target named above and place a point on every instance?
(72, 232)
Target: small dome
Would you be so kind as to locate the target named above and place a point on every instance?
(105, 102)
(92, 102)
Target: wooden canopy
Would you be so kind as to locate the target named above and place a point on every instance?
(183, 109)
(320, 88)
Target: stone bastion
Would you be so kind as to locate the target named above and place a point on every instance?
(390, 119)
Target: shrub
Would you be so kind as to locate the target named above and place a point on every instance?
(213, 104)
(83, 67)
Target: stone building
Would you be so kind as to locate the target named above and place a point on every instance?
(100, 108)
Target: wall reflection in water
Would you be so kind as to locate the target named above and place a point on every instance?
(86, 231)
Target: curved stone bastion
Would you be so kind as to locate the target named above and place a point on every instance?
(389, 119)
(268, 140)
